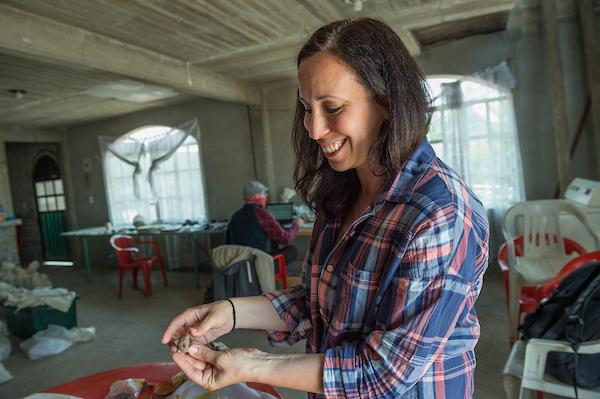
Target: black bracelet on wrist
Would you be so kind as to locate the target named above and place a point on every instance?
(233, 308)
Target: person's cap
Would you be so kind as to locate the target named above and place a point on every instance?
(253, 188)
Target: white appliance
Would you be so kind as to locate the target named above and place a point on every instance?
(585, 194)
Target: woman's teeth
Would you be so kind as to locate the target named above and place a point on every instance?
(332, 148)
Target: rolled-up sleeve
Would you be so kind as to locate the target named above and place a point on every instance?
(291, 306)
(390, 363)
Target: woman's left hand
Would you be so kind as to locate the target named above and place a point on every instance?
(215, 369)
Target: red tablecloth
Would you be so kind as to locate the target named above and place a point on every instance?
(96, 386)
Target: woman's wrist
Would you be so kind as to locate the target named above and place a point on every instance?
(282, 370)
(261, 367)
(233, 313)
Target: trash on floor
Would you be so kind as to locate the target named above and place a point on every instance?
(129, 388)
(5, 346)
(189, 390)
(55, 339)
(24, 277)
(4, 374)
(20, 298)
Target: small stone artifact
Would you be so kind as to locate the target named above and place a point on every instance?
(183, 343)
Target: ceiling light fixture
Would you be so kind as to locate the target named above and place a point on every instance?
(356, 4)
(19, 93)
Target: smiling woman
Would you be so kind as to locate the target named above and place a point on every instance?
(398, 250)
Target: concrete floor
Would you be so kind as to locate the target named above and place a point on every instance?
(128, 331)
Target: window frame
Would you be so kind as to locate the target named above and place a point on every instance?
(123, 175)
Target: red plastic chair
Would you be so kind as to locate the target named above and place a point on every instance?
(532, 295)
(280, 274)
(129, 257)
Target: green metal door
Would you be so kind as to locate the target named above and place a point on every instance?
(52, 225)
(51, 206)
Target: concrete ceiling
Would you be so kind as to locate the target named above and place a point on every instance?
(65, 52)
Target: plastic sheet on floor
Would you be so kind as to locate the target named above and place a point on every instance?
(55, 339)
(189, 390)
(4, 374)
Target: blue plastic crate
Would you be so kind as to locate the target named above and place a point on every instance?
(28, 321)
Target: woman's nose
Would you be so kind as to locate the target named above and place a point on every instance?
(316, 126)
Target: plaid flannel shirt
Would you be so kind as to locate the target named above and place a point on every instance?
(273, 229)
(391, 305)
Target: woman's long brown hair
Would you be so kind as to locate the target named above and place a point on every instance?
(393, 78)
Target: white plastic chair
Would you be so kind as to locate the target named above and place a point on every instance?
(534, 378)
(543, 253)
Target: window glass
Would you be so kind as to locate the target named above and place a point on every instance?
(49, 186)
(51, 203)
(178, 185)
(478, 139)
(42, 204)
(39, 189)
(58, 186)
(60, 203)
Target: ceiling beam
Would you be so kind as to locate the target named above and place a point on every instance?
(436, 13)
(419, 17)
(27, 34)
(410, 41)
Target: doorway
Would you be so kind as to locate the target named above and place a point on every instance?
(38, 195)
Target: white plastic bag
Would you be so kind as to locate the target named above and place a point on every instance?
(189, 390)
(3, 328)
(4, 374)
(5, 346)
(55, 339)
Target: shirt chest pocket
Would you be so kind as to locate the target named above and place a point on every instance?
(355, 292)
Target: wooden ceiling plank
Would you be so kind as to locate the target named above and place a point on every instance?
(185, 36)
(222, 13)
(202, 23)
(435, 13)
(282, 54)
(29, 34)
(325, 11)
(278, 17)
(294, 41)
(303, 17)
(260, 18)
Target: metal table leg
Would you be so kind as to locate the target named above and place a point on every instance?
(194, 260)
(86, 254)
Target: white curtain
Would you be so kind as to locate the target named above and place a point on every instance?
(155, 172)
(479, 139)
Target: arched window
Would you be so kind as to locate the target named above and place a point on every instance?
(473, 130)
(178, 182)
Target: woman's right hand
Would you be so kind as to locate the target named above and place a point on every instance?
(204, 323)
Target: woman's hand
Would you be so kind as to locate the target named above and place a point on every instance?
(215, 369)
(204, 323)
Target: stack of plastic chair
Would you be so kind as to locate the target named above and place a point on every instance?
(532, 295)
(535, 378)
(129, 257)
(280, 273)
(536, 252)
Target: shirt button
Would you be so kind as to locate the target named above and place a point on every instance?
(330, 268)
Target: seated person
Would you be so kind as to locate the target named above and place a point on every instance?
(253, 225)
